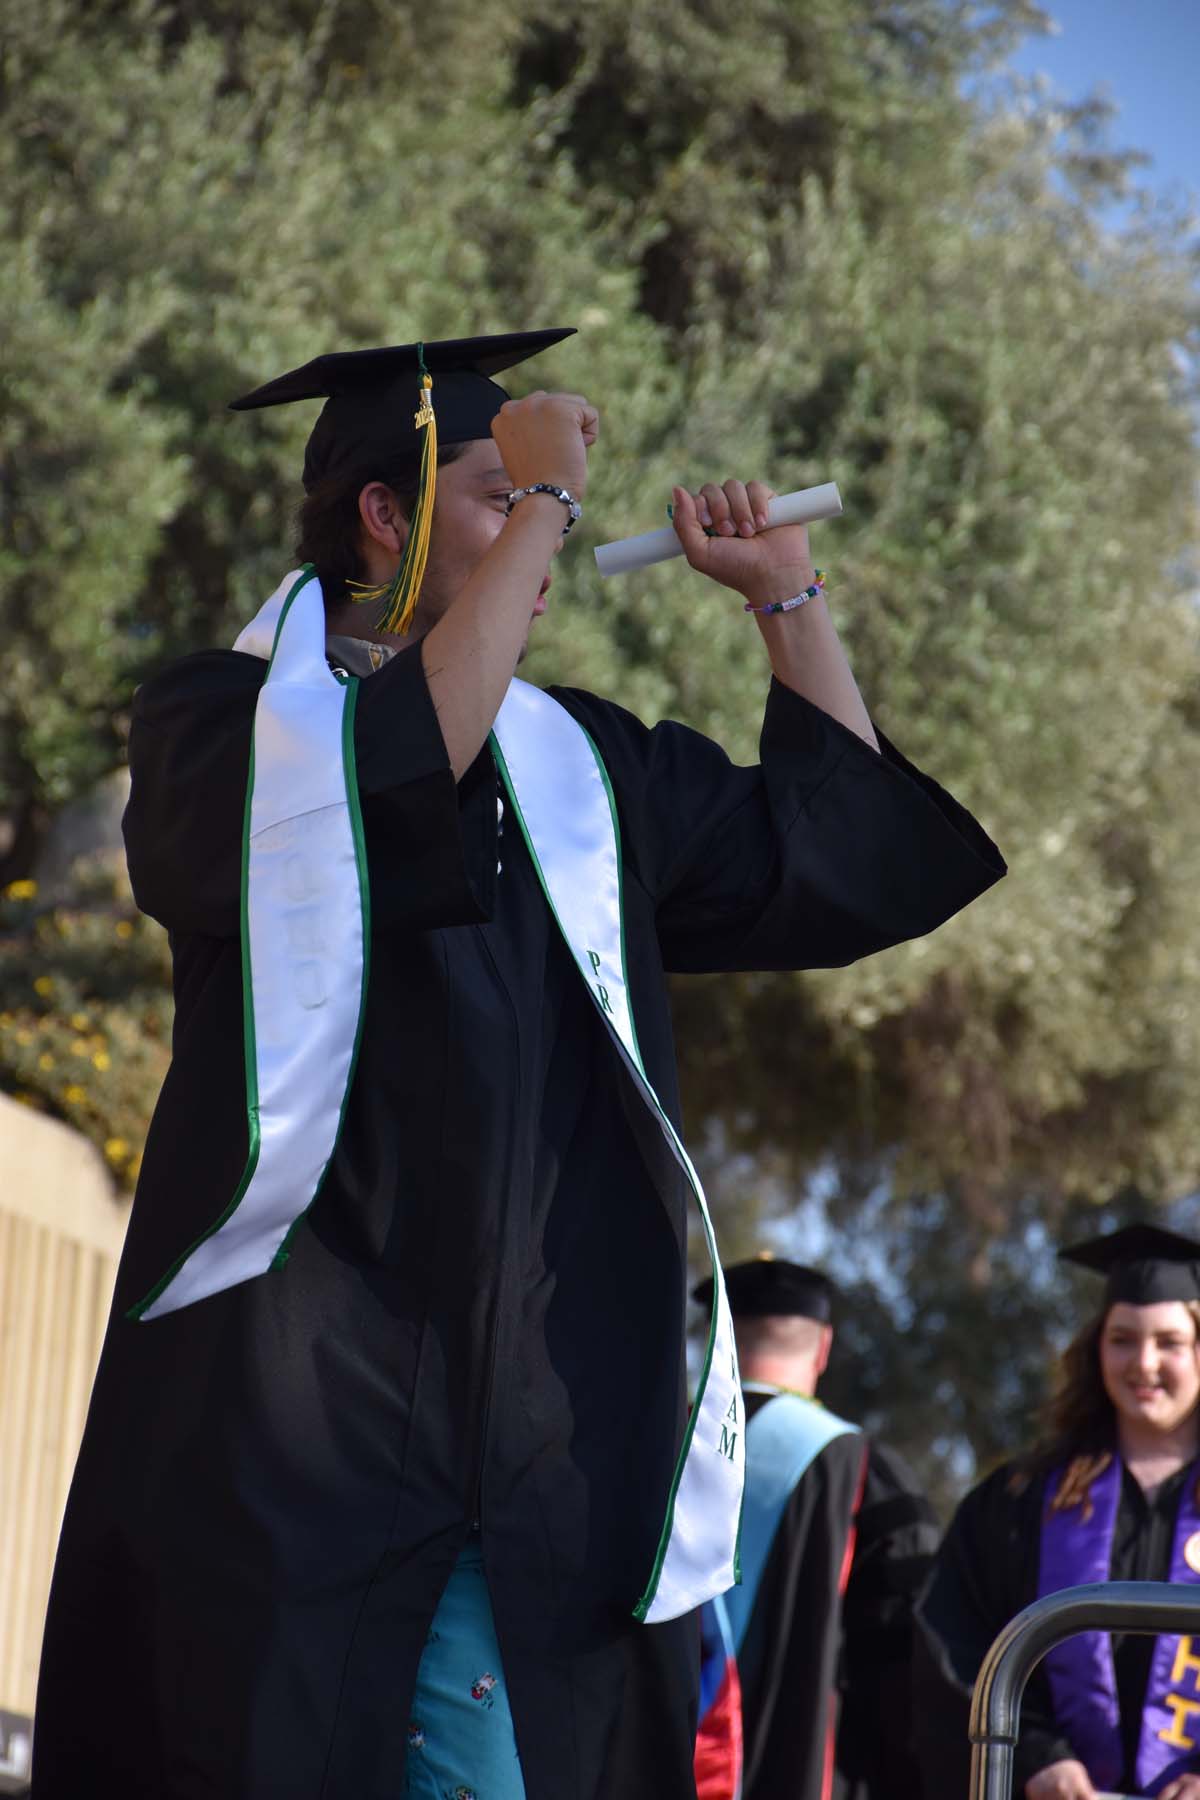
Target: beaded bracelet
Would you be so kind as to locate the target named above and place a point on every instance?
(782, 606)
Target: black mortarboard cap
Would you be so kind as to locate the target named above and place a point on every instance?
(371, 396)
(769, 1287)
(1143, 1263)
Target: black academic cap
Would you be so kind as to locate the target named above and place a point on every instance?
(371, 396)
(1143, 1264)
(767, 1286)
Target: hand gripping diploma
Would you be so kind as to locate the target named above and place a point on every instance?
(769, 565)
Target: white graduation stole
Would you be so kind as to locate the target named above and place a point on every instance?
(305, 954)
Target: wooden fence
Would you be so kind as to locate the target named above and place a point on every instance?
(60, 1235)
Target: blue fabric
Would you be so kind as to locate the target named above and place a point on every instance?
(460, 1734)
(782, 1439)
(716, 1650)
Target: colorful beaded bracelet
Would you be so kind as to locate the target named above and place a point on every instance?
(782, 606)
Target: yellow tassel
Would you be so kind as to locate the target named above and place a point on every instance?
(404, 591)
(361, 594)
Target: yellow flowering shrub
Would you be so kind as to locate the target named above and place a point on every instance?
(85, 1013)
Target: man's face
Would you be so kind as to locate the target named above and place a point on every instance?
(468, 516)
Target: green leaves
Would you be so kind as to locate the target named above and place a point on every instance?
(811, 248)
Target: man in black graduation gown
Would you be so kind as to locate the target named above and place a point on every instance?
(480, 1321)
(824, 1658)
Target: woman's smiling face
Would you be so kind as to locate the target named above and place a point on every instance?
(1150, 1363)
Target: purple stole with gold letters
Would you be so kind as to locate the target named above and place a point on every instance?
(1083, 1682)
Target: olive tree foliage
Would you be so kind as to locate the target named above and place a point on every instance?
(175, 235)
(218, 202)
(801, 248)
(1014, 579)
(872, 277)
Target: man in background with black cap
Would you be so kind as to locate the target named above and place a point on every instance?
(836, 1543)
(1110, 1492)
(388, 1484)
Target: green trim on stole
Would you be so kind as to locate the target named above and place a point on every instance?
(646, 1600)
(249, 1044)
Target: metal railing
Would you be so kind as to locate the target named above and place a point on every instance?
(1140, 1606)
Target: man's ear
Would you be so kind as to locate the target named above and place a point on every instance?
(824, 1346)
(383, 518)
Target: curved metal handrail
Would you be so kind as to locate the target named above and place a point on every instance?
(1138, 1606)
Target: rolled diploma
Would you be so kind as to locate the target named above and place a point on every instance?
(801, 508)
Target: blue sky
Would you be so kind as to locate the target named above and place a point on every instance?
(1145, 54)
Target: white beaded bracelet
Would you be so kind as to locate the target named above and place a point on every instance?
(782, 606)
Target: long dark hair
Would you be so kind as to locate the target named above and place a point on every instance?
(1079, 1421)
(329, 529)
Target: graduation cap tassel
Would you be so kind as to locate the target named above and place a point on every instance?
(401, 597)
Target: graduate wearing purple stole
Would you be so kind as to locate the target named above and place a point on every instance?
(1111, 1493)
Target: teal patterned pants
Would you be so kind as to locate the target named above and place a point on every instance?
(460, 1734)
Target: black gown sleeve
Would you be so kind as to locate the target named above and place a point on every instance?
(984, 1573)
(896, 1538)
(788, 1660)
(431, 846)
(825, 852)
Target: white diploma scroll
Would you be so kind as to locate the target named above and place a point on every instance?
(803, 507)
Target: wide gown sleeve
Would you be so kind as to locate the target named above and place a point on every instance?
(825, 852)
(984, 1573)
(431, 845)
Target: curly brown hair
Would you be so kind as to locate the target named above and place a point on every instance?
(1079, 1421)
